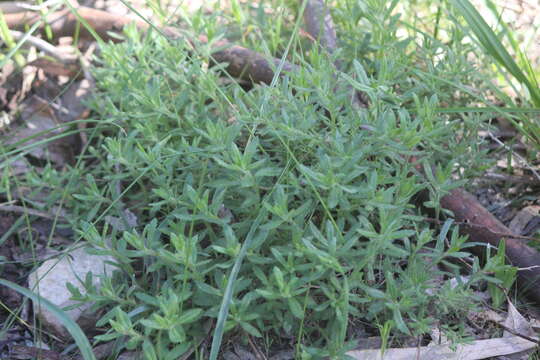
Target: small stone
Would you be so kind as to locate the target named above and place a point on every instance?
(49, 281)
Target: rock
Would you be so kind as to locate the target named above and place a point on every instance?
(53, 275)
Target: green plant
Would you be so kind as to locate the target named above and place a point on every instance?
(385, 334)
(493, 47)
(273, 212)
(314, 200)
(504, 276)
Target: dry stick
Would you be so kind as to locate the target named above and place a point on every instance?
(523, 179)
(65, 23)
(471, 224)
(249, 65)
(24, 210)
(45, 47)
(487, 229)
(18, 6)
(258, 352)
(481, 226)
(241, 62)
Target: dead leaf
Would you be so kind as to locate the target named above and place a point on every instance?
(127, 222)
(486, 315)
(72, 100)
(29, 352)
(283, 355)
(520, 222)
(517, 322)
(55, 68)
(15, 85)
(519, 325)
(16, 166)
(239, 353)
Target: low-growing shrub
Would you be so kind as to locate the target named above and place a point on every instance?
(318, 192)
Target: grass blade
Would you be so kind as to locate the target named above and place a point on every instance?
(225, 303)
(493, 47)
(70, 325)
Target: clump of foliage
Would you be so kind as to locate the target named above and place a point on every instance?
(305, 199)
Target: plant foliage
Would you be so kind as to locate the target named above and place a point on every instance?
(301, 199)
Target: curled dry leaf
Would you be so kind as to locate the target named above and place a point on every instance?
(15, 85)
(527, 221)
(55, 68)
(517, 323)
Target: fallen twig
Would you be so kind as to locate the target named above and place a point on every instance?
(481, 226)
(516, 333)
(25, 210)
(484, 227)
(10, 7)
(258, 353)
(520, 179)
(241, 62)
(516, 155)
(65, 22)
(249, 65)
(45, 47)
